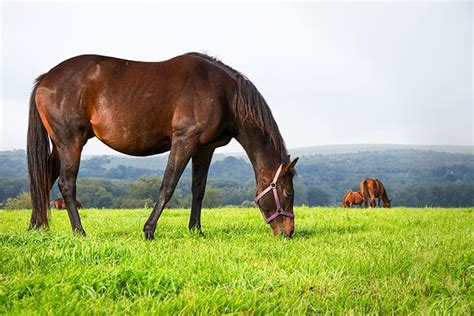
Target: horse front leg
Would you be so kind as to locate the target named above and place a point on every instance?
(181, 151)
(201, 162)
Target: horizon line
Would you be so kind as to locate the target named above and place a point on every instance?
(290, 149)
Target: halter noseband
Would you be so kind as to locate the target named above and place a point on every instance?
(279, 211)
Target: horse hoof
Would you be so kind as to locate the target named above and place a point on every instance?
(149, 235)
(197, 231)
(80, 231)
(35, 226)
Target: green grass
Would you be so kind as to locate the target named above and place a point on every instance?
(353, 261)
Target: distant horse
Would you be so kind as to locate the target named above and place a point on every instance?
(59, 204)
(373, 189)
(188, 105)
(351, 198)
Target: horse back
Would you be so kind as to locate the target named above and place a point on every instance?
(136, 107)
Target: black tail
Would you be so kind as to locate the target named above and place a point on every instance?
(39, 166)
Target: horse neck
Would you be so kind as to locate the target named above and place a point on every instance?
(262, 153)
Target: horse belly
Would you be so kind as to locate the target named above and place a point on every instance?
(130, 138)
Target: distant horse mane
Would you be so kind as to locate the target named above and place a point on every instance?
(250, 106)
(384, 191)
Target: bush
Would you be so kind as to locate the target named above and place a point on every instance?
(128, 203)
(212, 198)
(22, 201)
(247, 204)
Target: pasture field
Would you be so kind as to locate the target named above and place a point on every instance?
(340, 261)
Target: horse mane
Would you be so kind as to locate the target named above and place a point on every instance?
(384, 193)
(249, 106)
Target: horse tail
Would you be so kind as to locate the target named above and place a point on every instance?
(39, 164)
(364, 190)
(363, 187)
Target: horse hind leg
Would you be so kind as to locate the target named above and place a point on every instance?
(70, 157)
(372, 200)
(55, 165)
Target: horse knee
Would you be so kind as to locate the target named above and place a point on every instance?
(66, 187)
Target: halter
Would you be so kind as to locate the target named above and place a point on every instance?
(279, 211)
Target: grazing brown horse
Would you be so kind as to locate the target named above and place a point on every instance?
(188, 105)
(59, 204)
(351, 198)
(373, 189)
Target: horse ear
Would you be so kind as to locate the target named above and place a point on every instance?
(293, 163)
(291, 166)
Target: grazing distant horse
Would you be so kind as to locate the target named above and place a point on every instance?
(59, 204)
(188, 105)
(351, 198)
(373, 189)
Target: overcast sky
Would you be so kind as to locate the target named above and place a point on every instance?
(332, 72)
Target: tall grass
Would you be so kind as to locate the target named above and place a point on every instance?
(340, 261)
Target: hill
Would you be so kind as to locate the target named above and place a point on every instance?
(413, 177)
(346, 149)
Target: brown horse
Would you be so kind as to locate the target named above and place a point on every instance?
(59, 204)
(373, 189)
(188, 105)
(351, 198)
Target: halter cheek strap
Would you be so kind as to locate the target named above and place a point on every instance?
(279, 211)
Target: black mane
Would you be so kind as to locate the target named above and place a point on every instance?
(250, 106)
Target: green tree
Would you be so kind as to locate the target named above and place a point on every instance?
(300, 194)
(22, 201)
(212, 198)
(11, 187)
(145, 188)
(317, 196)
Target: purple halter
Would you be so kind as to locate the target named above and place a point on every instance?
(279, 211)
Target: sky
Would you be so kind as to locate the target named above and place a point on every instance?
(332, 72)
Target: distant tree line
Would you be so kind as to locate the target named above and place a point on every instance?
(412, 178)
